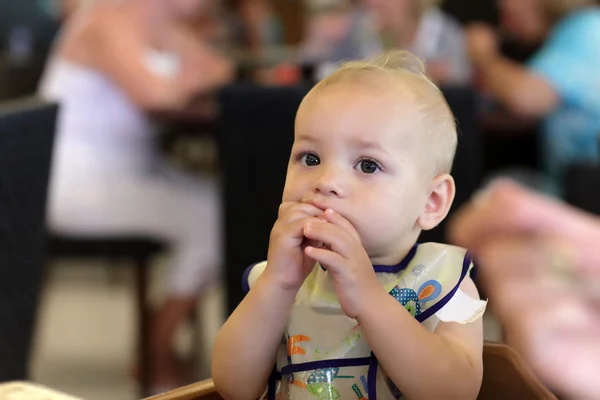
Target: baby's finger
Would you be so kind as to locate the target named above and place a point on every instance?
(337, 219)
(290, 206)
(337, 238)
(329, 259)
(295, 215)
(295, 229)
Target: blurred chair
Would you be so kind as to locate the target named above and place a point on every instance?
(138, 251)
(506, 376)
(582, 186)
(255, 134)
(26, 141)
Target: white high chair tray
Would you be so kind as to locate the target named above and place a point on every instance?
(30, 391)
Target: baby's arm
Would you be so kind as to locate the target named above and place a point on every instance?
(446, 364)
(246, 347)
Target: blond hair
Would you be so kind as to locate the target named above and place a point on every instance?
(555, 10)
(407, 69)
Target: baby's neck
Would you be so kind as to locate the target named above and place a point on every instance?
(394, 257)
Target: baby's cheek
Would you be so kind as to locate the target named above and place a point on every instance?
(374, 230)
(291, 192)
(386, 226)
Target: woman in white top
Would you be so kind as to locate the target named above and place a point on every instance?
(113, 62)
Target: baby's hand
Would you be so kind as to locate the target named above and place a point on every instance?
(346, 260)
(287, 265)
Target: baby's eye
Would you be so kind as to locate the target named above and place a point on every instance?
(310, 159)
(369, 166)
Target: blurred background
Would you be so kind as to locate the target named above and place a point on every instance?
(144, 146)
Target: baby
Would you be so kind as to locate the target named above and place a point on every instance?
(364, 311)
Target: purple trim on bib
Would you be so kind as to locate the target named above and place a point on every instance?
(372, 377)
(245, 276)
(438, 306)
(394, 269)
(474, 271)
(372, 360)
(272, 387)
(323, 364)
(390, 269)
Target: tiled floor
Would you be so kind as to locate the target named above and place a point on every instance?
(85, 333)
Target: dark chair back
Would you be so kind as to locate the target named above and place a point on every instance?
(256, 132)
(582, 186)
(26, 141)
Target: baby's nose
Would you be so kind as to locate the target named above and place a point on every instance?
(330, 183)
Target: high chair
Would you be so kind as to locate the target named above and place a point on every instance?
(506, 376)
(203, 390)
(26, 144)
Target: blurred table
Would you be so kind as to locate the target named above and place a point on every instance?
(202, 112)
(19, 78)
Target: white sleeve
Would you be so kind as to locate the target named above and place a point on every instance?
(462, 309)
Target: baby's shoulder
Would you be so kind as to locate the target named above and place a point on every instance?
(251, 274)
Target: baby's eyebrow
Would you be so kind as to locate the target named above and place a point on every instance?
(369, 145)
(305, 138)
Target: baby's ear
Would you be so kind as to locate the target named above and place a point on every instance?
(439, 202)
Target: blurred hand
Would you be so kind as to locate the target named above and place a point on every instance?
(482, 44)
(206, 68)
(540, 264)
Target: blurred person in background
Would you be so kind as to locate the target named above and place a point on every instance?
(337, 30)
(560, 84)
(113, 63)
(423, 28)
(540, 265)
(344, 31)
(248, 25)
(68, 7)
(62, 9)
(260, 26)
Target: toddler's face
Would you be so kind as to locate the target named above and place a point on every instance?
(358, 151)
